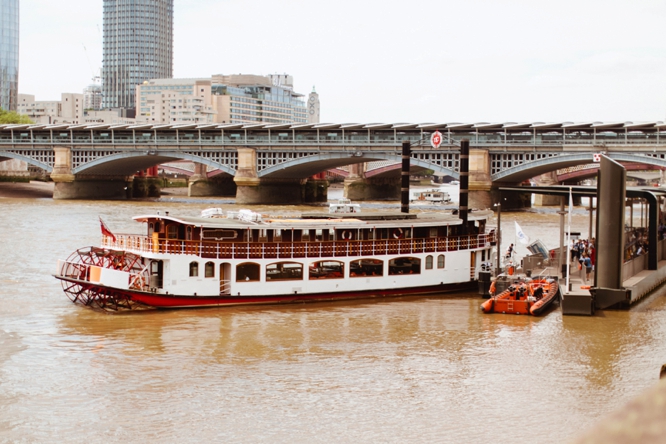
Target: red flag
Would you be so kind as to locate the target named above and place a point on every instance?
(105, 230)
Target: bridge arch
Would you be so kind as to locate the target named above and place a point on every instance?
(7, 155)
(129, 162)
(535, 168)
(306, 166)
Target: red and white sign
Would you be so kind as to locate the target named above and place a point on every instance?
(596, 157)
(436, 139)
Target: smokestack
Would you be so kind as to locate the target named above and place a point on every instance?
(404, 186)
(464, 182)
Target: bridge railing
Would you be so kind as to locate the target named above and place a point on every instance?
(287, 138)
(297, 250)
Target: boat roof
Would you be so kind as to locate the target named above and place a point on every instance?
(327, 220)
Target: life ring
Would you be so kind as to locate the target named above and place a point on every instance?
(138, 283)
(398, 233)
(346, 235)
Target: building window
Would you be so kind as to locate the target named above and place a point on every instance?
(327, 270)
(366, 267)
(247, 272)
(284, 271)
(440, 261)
(405, 265)
(428, 262)
(209, 270)
(194, 269)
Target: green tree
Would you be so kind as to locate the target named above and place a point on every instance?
(7, 117)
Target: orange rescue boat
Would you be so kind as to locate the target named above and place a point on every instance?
(525, 297)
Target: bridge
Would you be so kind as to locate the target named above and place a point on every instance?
(277, 163)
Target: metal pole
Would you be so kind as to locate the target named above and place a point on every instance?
(563, 249)
(499, 234)
(463, 200)
(589, 231)
(404, 188)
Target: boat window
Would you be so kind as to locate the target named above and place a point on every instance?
(209, 270)
(428, 262)
(405, 265)
(433, 232)
(194, 269)
(327, 270)
(172, 232)
(219, 234)
(366, 267)
(151, 229)
(247, 272)
(440, 261)
(277, 235)
(284, 271)
(188, 233)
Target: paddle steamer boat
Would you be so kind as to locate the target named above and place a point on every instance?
(243, 257)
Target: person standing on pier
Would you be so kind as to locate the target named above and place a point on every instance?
(588, 267)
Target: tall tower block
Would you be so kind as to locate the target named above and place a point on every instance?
(138, 46)
(9, 54)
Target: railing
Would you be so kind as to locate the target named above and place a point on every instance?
(297, 250)
(233, 138)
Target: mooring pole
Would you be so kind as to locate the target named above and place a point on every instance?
(499, 234)
(464, 183)
(404, 186)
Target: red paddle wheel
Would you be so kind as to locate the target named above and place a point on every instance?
(76, 282)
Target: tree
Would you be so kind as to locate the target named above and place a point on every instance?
(8, 117)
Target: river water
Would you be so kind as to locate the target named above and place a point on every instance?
(409, 370)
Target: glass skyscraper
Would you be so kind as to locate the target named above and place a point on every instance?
(138, 46)
(9, 53)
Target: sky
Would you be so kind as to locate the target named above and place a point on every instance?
(393, 61)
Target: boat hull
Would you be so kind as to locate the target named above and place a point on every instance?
(99, 296)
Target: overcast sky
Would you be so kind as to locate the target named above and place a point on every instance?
(394, 61)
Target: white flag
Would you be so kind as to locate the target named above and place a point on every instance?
(522, 237)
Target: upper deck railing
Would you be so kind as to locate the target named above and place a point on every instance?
(308, 137)
(298, 250)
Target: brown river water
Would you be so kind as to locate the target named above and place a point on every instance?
(408, 370)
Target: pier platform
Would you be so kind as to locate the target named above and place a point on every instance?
(579, 300)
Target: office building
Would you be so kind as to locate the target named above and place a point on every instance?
(92, 97)
(9, 53)
(239, 98)
(138, 46)
(69, 109)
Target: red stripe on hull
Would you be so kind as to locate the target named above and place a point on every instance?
(181, 301)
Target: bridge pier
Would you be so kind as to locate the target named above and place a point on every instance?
(542, 200)
(200, 185)
(94, 187)
(69, 186)
(359, 188)
(482, 192)
(143, 186)
(275, 191)
(315, 190)
(250, 189)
